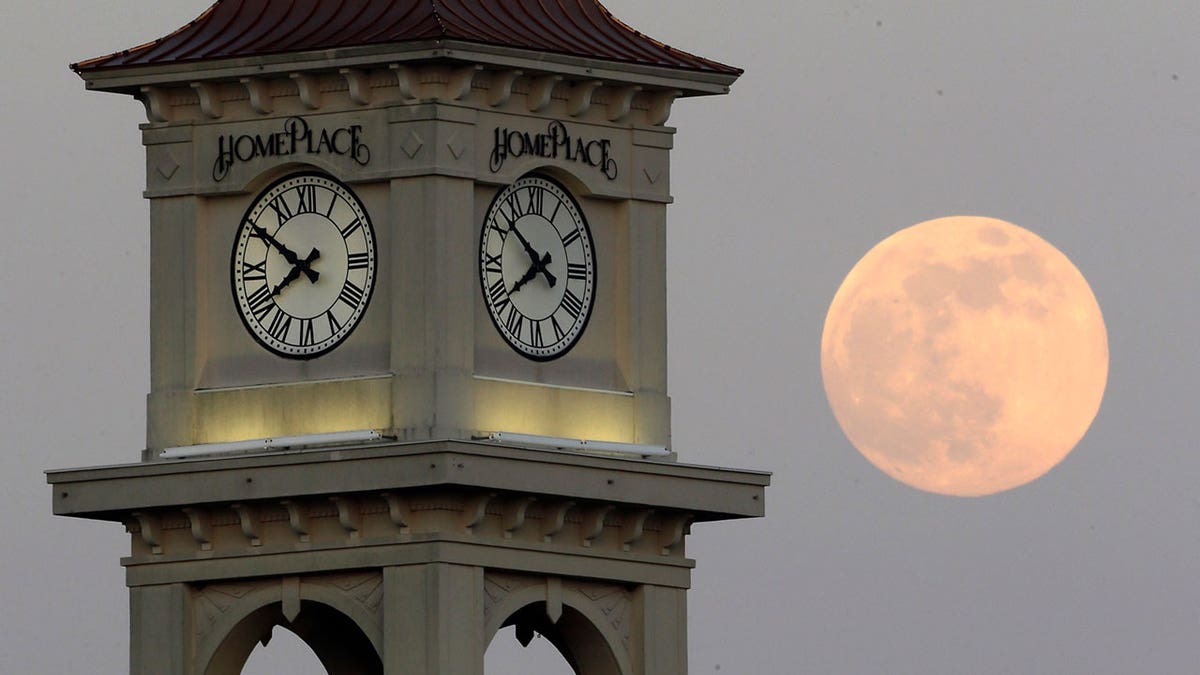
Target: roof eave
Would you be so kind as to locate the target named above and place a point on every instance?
(130, 79)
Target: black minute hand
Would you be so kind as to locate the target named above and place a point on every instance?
(287, 254)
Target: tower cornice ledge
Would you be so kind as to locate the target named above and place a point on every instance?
(113, 492)
(131, 79)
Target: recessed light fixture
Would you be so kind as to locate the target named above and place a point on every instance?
(556, 443)
(275, 443)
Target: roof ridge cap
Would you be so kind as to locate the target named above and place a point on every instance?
(437, 16)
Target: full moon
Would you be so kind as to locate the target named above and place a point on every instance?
(964, 356)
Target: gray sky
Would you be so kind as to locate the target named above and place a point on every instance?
(1077, 120)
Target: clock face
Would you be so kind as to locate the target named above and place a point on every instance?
(303, 265)
(537, 267)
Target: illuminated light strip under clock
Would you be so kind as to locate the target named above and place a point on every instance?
(554, 443)
(276, 443)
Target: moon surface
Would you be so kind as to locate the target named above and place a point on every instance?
(964, 356)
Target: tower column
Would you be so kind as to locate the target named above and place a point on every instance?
(433, 619)
(159, 630)
(661, 642)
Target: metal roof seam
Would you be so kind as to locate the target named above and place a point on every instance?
(260, 29)
(290, 35)
(186, 49)
(356, 23)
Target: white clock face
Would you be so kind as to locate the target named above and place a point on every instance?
(537, 267)
(303, 265)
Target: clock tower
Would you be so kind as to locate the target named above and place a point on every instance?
(408, 350)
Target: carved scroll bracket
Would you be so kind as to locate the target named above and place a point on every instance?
(514, 514)
(620, 102)
(158, 106)
(459, 84)
(309, 89)
(553, 519)
(539, 91)
(260, 95)
(248, 518)
(150, 527)
(633, 527)
(581, 97)
(359, 83)
(211, 103)
(297, 517)
(501, 87)
(660, 106)
(475, 509)
(201, 525)
(399, 512)
(593, 523)
(673, 530)
(349, 515)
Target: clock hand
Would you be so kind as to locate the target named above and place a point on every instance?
(294, 273)
(291, 276)
(539, 265)
(549, 277)
(287, 254)
(531, 273)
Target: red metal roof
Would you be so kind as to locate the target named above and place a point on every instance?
(244, 28)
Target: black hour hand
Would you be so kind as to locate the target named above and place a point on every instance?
(532, 272)
(294, 273)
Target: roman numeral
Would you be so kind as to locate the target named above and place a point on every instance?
(558, 331)
(282, 211)
(351, 228)
(497, 291)
(537, 200)
(308, 199)
(557, 206)
(254, 272)
(358, 261)
(351, 294)
(492, 264)
(502, 231)
(334, 326)
(498, 294)
(280, 324)
(571, 237)
(576, 271)
(260, 302)
(514, 322)
(572, 304)
(514, 206)
(536, 339)
(307, 335)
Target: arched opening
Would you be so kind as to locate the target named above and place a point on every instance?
(338, 643)
(582, 648)
(507, 656)
(285, 653)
